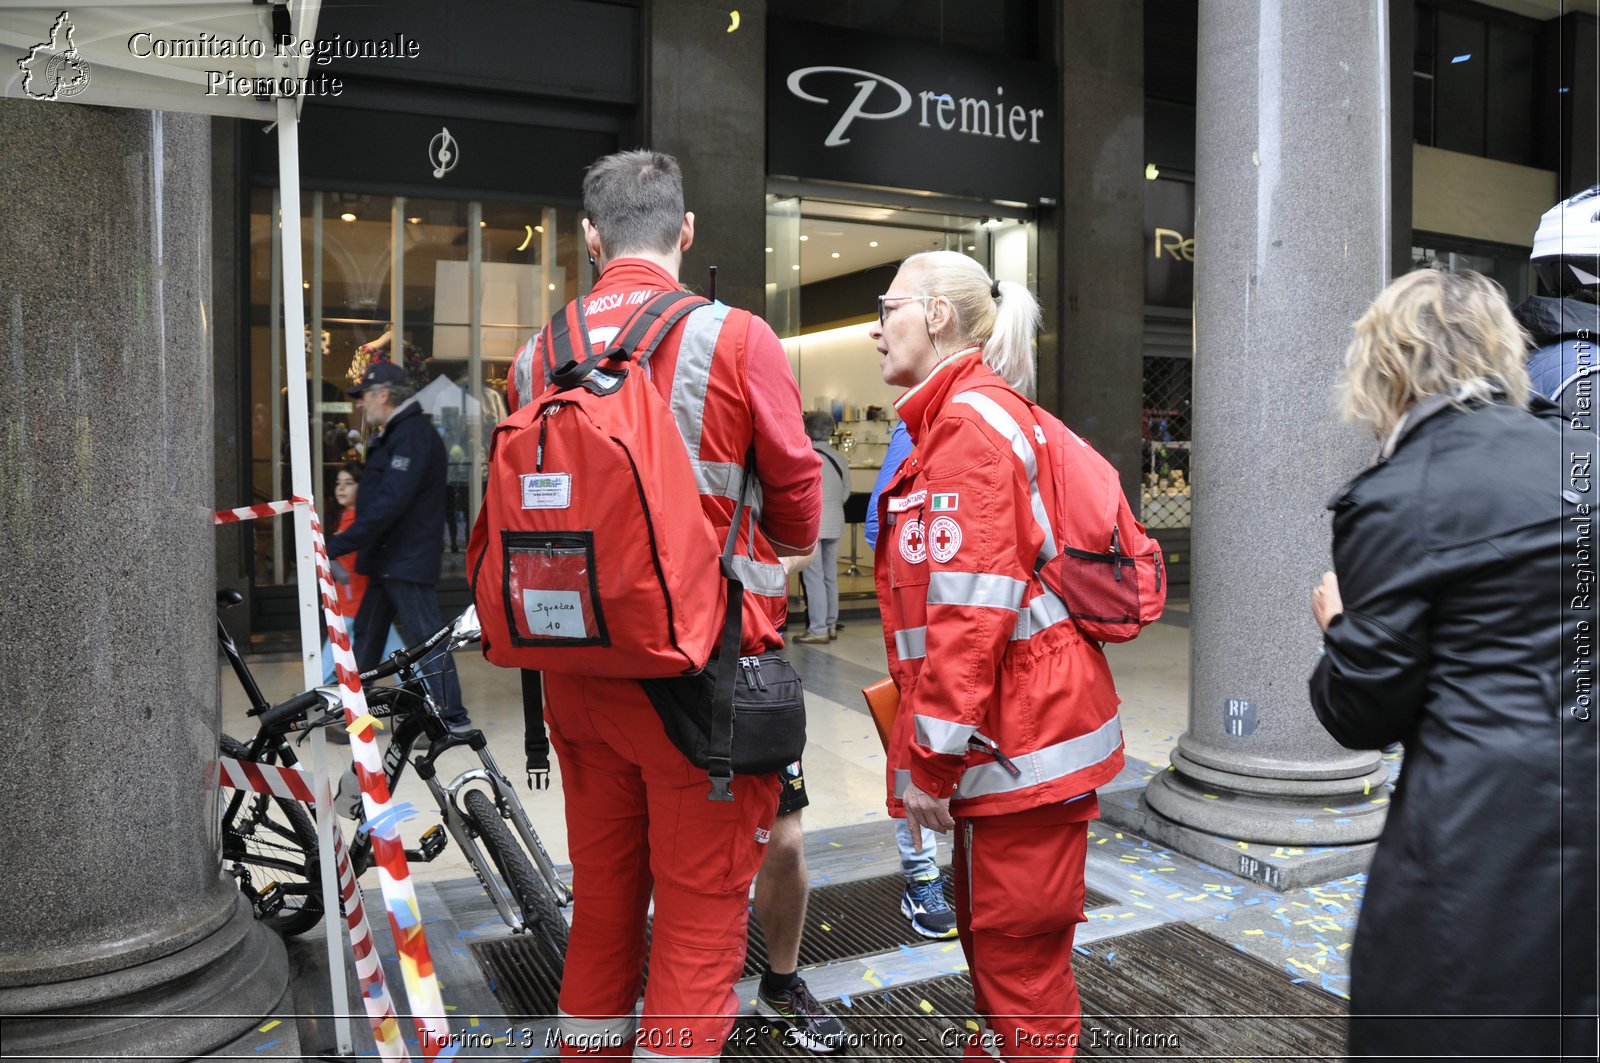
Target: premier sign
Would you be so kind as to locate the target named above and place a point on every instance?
(974, 113)
(878, 111)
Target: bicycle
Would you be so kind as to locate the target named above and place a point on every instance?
(479, 807)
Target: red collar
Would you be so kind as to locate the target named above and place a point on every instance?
(919, 406)
(635, 274)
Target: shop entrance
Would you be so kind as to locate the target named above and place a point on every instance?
(827, 262)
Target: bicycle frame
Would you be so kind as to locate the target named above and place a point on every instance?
(425, 718)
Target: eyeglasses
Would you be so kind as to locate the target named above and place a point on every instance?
(884, 308)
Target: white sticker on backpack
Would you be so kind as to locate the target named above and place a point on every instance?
(554, 614)
(546, 490)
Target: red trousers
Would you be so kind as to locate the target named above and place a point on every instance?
(638, 822)
(1019, 898)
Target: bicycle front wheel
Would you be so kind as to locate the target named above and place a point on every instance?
(273, 840)
(532, 893)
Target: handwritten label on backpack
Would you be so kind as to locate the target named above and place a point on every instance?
(547, 490)
(554, 614)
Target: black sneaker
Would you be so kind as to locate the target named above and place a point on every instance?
(811, 1026)
(930, 914)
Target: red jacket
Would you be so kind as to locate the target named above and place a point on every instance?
(977, 645)
(734, 397)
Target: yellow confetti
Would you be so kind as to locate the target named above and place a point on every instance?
(825, 926)
(836, 845)
(1101, 841)
(974, 1027)
(951, 947)
(1170, 896)
(1344, 946)
(359, 724)
(1366, 786)
(1210, 797)
(1211, 885)
(1297, 852)
(269, 1026)
(1196, 897)
(1244, 847)
(927, 1009)
(476, 1020)
(450, 1007)
(1141, 904)
(1119, 835)
(1137, 893)
(1255, 933)
(1378, 801)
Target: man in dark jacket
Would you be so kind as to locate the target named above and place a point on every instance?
(399, 530)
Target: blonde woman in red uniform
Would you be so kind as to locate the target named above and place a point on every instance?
(1008, 716)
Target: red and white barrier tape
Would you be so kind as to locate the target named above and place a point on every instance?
(383, 819)
(294, 784)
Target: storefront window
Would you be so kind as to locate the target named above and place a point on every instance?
(449, 290)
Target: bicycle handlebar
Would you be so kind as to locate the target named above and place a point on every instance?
(405, 657)
(287, 712)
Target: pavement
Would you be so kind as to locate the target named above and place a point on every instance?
(1303, 933)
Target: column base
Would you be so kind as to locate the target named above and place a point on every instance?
(178, 1007)
(1249, 808)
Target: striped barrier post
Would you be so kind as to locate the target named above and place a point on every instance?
(293, 784)
(383, 817)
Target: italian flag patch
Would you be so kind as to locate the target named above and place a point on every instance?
(944, 503)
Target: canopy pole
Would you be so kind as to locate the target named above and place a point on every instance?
(305, 563)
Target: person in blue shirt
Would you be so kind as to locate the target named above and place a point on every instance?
(923, 900)
(399, 531)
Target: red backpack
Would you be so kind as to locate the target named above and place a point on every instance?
(1106, 570)
(591, 554)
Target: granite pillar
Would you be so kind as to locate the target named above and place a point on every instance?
(1293, 242)
(707, 105)
(119, 934)
(1101, 348)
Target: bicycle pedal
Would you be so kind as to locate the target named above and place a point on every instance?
(430, 845)
(269, 901)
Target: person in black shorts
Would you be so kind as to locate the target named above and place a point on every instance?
(780, 905)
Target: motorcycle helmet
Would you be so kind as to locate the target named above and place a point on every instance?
(1566, 246)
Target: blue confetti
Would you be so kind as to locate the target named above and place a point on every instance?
(269, 1044)
(844, 998)
(391, 819)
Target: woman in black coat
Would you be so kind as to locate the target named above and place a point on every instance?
(1455, 636)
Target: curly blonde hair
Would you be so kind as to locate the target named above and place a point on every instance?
(1433, 333)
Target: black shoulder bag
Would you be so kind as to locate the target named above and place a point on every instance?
(744, 715)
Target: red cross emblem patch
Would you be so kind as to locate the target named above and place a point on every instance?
(913, 542)
(944, 538)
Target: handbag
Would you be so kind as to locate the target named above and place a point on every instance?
(744, 715)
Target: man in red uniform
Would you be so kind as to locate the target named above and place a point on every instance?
(638, 819)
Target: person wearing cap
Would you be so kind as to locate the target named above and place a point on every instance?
(1563, 322)
(399, 530)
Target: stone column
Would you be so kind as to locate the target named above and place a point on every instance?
(118, 933)
(1101, 349)
(707, 105)
(1292, 237)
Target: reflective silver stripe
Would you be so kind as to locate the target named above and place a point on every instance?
(691, 377)
(942, 736)
(1045, 611)
(911, 643)
(596, 1033)
(760, 577)
(717, 478)
(1002, 422)
(975, 588)
(1043, 766)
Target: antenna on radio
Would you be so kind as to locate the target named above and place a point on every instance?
(711, 292)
